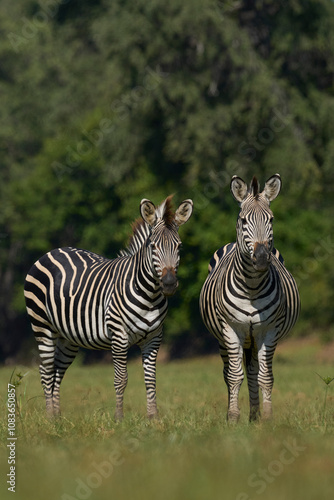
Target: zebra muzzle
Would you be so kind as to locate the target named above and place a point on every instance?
(169, 282)
(261, 257)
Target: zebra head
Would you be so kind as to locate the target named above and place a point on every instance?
(164, 239)
(254, 225)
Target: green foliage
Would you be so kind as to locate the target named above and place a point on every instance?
(107, 102)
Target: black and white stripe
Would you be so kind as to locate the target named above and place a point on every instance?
(249, 300)
(76, 298)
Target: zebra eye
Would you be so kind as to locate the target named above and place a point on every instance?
(243, 220)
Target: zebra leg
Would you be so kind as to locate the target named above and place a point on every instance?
(64, 356)
(149, 357)
(224, 356)
(120, 353)
(233, 372)
(252, 370)
(266, 379)
(46, 343)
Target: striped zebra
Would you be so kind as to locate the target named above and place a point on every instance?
(76, 298)
(249, 300)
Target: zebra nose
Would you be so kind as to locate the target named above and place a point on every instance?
(169, 282)
(261, 257)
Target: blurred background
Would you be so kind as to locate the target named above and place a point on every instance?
(106, 102)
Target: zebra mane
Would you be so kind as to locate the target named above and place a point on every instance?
(141, 230)
(140, 233)
(165, 211)
(254, 187)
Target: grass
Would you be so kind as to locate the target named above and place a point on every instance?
(189, 452)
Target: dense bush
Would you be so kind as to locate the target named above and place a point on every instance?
(104, 103)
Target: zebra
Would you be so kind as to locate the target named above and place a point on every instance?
(76, 298)
(249, 300)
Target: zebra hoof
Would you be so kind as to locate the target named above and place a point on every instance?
(232, 417)
(119, 416)
(153, 416)
(267, 412)
(52, 413)
(254, 415)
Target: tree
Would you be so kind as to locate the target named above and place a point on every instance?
(109, 102)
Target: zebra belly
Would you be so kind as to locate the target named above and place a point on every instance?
(86, 328)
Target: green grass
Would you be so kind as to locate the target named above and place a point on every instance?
(189, 452)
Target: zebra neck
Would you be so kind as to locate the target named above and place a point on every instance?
(248, 278)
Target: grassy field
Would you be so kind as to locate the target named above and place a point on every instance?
(189, 452)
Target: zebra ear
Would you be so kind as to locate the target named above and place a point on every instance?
(184, 212)
(238, 188)
(272, 187)
(147, 211)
